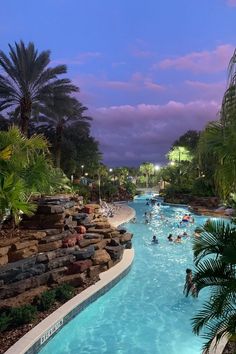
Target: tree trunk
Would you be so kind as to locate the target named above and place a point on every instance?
(59, 130)
(25, 114)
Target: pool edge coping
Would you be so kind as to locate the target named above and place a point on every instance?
(29, 343)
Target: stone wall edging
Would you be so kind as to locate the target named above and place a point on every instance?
(31, 342)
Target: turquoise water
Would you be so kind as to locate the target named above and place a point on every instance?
(146, 312)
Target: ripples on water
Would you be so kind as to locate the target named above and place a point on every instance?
(146, 312)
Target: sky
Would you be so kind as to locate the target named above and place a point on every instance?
(148, 70)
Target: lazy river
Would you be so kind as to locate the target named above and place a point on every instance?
(146, 312)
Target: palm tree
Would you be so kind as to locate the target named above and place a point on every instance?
(147, 169)
(61, 112)
(27, 82)
(215, 260)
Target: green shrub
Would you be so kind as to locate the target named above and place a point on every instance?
(23, 314)
(45, 300)
(5, 321)
(65, 292)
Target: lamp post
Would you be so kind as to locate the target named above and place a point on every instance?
(82, 168)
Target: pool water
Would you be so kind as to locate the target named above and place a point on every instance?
(146, 312)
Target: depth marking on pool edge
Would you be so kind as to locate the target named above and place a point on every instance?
(50, 332)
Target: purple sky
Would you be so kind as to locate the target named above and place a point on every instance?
(148, 70)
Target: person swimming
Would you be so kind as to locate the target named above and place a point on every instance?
(185, 218)
(178, 239)
(170, 238)
(189, 285)
(154, 239)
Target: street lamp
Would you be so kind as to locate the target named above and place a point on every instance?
(157, 167)
(82, 168)
(86, 174)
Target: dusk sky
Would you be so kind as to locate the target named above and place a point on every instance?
(147, 70)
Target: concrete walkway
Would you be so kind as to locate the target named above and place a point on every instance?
(123, 214)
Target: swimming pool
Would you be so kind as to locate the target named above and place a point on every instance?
(146, 312)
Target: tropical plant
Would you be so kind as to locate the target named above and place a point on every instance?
(61, 112)
(188, 140)
(25, 169)
(64, 292)
(147, 169)
(215, 260)
(179, 154)
(28, 82)
(218, 141)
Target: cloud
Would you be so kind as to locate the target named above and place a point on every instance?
(200, 62)
(139, 53)
(214, 90)
(133, 134)
(231, 2)
(136, 82)
(80, 59)
(118, 63)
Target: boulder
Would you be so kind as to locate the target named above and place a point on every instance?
(75, 280)
(31, 272)
(126, 237)
(114, 242)
(8, 241)
(85, 253)
(50, 209)
(45, 257)
(110, 264)
(3, 260)
(100, 257)
(92, 236)
(122, 231)
(81, 229)
(9, 271)
(22, 253)
(56, 274)
(94, 271)
(4, 250)
(49, 246)
(60, 262)
(85, 243)
(79, 266)
(102, 225)
(34, 234)
(52, 238)
(115, 234)
(128, 245)
(115, 252)
(105, 232)
(25, 244)
(102, 244)
(50, 232)
(69, 241)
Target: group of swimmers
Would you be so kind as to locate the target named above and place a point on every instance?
(170, 238)
(152, 202)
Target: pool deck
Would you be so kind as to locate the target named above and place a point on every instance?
(123, 214)
(33, 341)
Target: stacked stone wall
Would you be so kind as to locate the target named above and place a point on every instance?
(59, 244)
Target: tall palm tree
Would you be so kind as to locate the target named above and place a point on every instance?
(147, 169)
(60, 112)
(27, 81)
(215, 260)
(218, 141)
